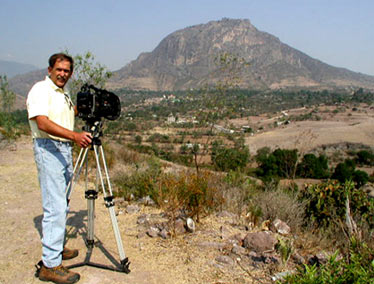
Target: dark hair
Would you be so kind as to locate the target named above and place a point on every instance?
(61, 57)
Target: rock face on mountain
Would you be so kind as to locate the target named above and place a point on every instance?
(186, 59)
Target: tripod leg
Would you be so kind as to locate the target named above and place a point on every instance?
(90, 195)
(109, 203)
(80, 161)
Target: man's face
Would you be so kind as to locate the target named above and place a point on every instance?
(60, 73)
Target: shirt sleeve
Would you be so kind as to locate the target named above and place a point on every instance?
(37, 101)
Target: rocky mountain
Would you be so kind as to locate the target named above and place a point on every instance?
(186, 59)
(11, 68)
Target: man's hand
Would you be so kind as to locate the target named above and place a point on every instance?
(83, 139)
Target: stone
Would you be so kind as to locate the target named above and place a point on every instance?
(225, 259)
(132, 209)
(238, 250)
(143, 219)
(179, 227)
(214, 245)
(153, 232)
(190, 225)
(260, 242)
(147, 200)
(224, 232)
(280, 227)
(164, 234)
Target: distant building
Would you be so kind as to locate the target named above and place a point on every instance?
(171, 118)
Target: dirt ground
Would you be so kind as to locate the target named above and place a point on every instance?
(153, 260)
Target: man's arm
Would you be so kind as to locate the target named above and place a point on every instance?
(83, 139)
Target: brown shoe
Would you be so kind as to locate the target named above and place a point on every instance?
(69, 253)
(58, 274)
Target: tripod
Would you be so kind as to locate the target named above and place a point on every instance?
(91, 195)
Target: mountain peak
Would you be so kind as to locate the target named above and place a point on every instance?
(185, 59)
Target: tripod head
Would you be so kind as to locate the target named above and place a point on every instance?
(95, 128)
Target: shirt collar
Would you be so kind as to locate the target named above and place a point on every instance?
(53, 86)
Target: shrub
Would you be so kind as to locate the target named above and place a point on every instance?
(365, 157)
(313, 167)
(225, 159)
(346, 171)
(325, 204)
(141, 183)
(188, 192)
(356, 267)
(278, 203)
(279, 163)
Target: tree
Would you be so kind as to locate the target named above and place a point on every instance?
(344, 171)
(8, 97)
(87, 71)
(213, 99)
(226, 159)
(313, 167)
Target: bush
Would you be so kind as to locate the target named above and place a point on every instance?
(356, 267)
(313, 167)
(14, 124)
(325, 204)
(140, 183)
(225, 159)
(346, 171)
(279, 163)
(365, 157)
(187, 192)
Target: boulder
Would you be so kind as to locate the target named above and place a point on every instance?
(260, 242)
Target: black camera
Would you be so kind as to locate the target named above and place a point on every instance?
(94, 103)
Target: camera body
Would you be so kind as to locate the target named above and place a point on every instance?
(94, 103)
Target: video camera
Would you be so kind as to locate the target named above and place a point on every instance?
(94, 103)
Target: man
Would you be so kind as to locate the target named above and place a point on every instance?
(51, 118)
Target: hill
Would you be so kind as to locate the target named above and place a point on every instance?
(185, 59)
(21, 84)
(11, 68)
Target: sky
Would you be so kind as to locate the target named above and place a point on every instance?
(337, 32)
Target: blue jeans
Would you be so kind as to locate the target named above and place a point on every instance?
(54, 162)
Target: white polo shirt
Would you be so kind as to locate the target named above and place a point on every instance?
(45, 98)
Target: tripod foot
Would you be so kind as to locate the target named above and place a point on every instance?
(125, 265)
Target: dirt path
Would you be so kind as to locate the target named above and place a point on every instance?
(153, 260)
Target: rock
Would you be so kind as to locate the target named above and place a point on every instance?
(147, 200)
(368, 188)
(179, 226)
(132, 209)
(318, 259)
(153, 232)
(141, 235)
(143, 219)
(280, 227)
(164, 234)
(213, 245)
(281, 275)
(238, 250)
(225, 259)
(237, 238)
(297, 258)
(263, 241)
(224, 232)
(190, 225)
